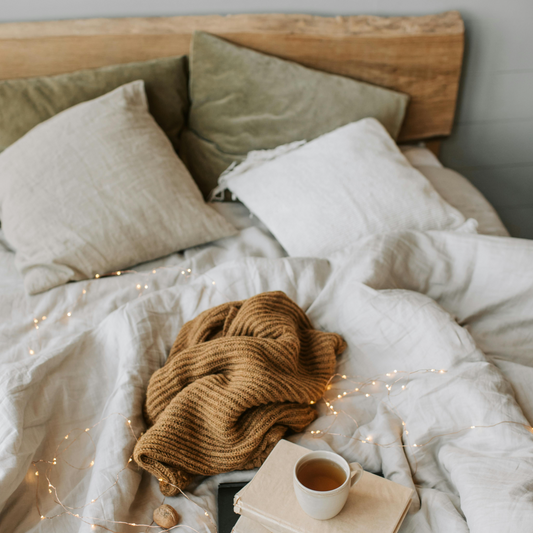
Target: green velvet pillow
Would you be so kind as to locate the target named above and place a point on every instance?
(243, 100)
(26, 102)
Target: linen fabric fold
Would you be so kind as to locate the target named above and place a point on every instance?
(237, 378)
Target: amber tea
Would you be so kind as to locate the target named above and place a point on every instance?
(321, 475)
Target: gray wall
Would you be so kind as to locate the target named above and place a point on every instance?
(492, 143)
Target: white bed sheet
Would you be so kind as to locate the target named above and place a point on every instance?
(415, 300)
(456, 190)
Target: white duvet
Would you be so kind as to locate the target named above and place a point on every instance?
(436, 300)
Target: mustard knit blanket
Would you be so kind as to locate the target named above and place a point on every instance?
(237, 378)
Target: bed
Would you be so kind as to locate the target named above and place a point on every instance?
(443, 317)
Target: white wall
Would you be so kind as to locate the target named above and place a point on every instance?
(492, 143)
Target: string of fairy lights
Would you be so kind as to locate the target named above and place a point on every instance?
(396, 381)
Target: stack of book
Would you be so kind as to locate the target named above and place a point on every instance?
(268, 503)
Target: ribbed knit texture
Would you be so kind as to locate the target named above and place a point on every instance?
(237, 378)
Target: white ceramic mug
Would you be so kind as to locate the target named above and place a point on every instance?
(323, 505)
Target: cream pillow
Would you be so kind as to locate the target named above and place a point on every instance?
(320, 196)
(99, 188)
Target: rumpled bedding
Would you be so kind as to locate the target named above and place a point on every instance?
(406, 302)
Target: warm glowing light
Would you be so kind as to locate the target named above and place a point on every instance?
(369, 438)
(472, 427)
(91, 463)
(213, 283)
(334, 412)
(146, 286)
(44, 318)
(344, 393)
(35, 320)
(395, 371)
(406, 432)
(343, 377)
(118, 273)
(69, 314)
(31, 352)
(206, 513)
(415, 445)
(129, 421)
(87, 429)
(97, 276)
(36, 327)
(356, 390)
(373, 383)
(363, 441)
(183, 272)
(36, 473)
(432, 370)
(42, 517)
(189, 270)
(84, 291)
(367, 395)
(138, 286)
(92, 501)
(403, 386)
(339, 395)
(312, 402)
(153, 271)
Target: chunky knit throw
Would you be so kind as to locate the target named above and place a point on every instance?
(237, 378)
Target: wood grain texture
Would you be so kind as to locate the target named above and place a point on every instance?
(420, 56)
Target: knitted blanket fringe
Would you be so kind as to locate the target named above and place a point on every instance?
(237, 378)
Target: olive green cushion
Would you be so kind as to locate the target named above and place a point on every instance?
(26, 102)
(243, 100)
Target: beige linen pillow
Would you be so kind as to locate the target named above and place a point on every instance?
(99, 188)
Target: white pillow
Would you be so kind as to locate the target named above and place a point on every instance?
(98, 188)
(320, 196)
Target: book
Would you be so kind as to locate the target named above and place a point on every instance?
(375, 504)
(226, 516)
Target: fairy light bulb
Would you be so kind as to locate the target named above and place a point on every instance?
(97, 276)
(69, 314)
(31, 352)
(118, 273)
(138, 286)
(367, 395)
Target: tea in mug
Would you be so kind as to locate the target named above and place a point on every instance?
(321, 475)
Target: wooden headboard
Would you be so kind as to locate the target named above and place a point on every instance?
(421, 56)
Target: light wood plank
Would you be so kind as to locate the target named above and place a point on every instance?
(420, 56)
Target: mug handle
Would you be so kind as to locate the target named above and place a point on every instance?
(356, 473)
